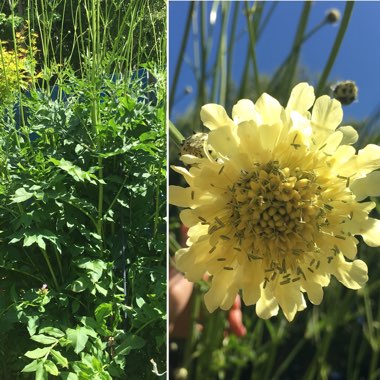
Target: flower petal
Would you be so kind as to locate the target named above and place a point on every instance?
(301, 98)
(352, 275)
(269, 136)
(223, 291)
(290, 299)
(189, 262)
(244, 110)
(370, 230)
(314, 292)
(185, 173)
(225, 141)
(269, 108)
(267, 305)
(326, 116)
(350, 135)
(214, 116)
(252, 277)
(368, 186)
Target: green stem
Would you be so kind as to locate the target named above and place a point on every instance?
(210, 340)
(252, 49)
(175, 135)
(116, 196)
(157, 203)
(335, 49)
(59, 262)
(46, 257)
(181, 55)
(266, 20)
(218, 82)
(230, 51)
(190, 342)
(174, 246)
(12, 269)
(286, 362)
(299, 38)
(202, 90)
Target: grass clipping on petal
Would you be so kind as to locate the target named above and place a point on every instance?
(272, 202)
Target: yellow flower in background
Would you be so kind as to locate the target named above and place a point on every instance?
(273, 203)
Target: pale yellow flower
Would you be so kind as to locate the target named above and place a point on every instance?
(273, 203)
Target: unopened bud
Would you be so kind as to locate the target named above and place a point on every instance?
(346, 92)
(180, 374)
(333, 15)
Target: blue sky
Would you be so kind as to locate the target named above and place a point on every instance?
(358, 59)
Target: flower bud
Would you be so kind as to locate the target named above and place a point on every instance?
(346, 92)
(333, 16)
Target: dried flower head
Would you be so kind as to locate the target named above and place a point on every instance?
(274, 211)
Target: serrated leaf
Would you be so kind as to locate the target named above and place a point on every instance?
(69, 376)
(103, 311)
(101, 290)
(29, 240)
(41, 374)
(31, 367)
(140, 301)
(44, 339)
(21, 195)
(33, 322)
(130, 342)
(51, 368)
(75, 171)
(41, 243)
(37, 353)
(80, 284)
(59, 358)
(78, 339)
(53, 331)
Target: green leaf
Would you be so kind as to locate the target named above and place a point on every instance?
(41, 243)
(130, 342)
(37, 353)
(52, 331)
(76, 172)
(69, 376)
(41, 374)
(33, 322)
(78, 339)
(59, 358)
(44, 339)
(103, 311)
(101, 290)
(21, 195)
(31, 367)
(51, 368)
(140, 301)
(29, 240)
(80, 284)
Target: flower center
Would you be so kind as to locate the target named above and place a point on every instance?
(276, 204)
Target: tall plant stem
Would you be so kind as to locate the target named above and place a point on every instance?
(19, 82)
(175, 135)
(292, 67)
(335, 49)
(218, 93)
(256, 11)
(46, 257)
(252, 48)
(181, 55)
(231, 45)
(190, 343)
